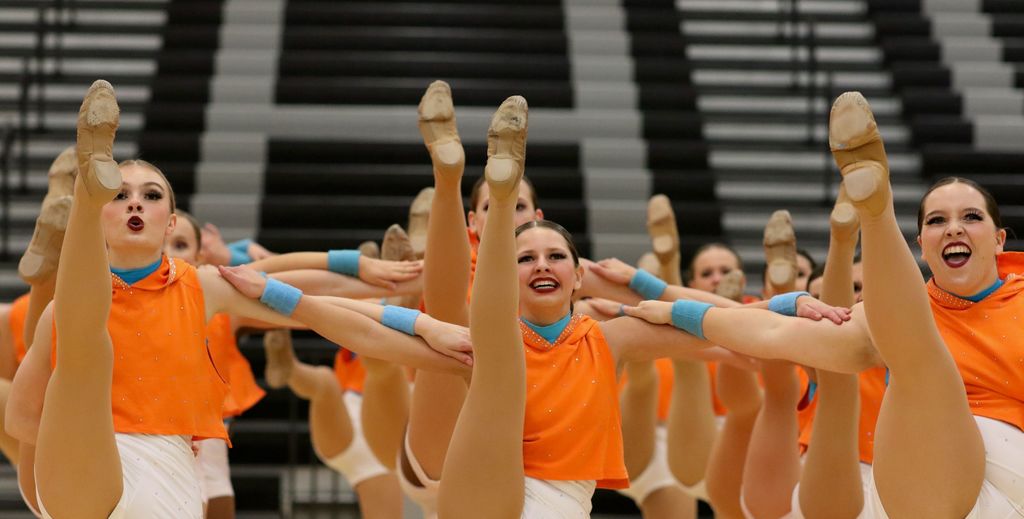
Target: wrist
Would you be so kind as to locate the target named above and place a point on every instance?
(647, 285)
(345, 262)
(786, 304)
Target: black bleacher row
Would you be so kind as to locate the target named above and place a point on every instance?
(934, 109)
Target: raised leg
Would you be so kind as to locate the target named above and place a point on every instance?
(330, 428)
(380, 497)
(75, 447)
(669, 502)
(385, 409)
(830, 485)
(436, 398)
(483, 473)
(925, 415)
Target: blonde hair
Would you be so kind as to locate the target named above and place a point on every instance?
(145, 164)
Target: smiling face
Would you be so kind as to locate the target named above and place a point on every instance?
(548, 275)
(139, 219)
(959, 239)
(710, 266)
(525, 210)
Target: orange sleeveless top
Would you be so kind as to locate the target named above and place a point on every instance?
(872, 389)
(16, 323)
(164, 380)
(985, 341)
(349, 371)
(243, 391)
(573, 428)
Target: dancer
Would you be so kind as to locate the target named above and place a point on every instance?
(931, 350)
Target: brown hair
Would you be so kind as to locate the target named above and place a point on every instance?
(474, 194)
(195, 225)
(548, 224)
(145, 164)
(991, 207)
(688, 273)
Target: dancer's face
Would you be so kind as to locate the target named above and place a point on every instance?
(857, 273)
(139, 219)
(959, 240)
(525, 211)
(182, 242)
(803, 270)
(710, 266)
(547, 275)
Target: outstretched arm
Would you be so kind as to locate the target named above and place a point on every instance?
(844, 348)
(633, 340)
(355, 324)
(325, 283)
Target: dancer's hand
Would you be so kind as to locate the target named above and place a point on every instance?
(246, 280)
(212, 246)
(654, 312)
(387, 274)
(258, 252)
(445, 338)
(614, 270)
(599, 309)
(810, 308)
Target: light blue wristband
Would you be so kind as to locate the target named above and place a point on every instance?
(280, 297)
(785, 304)
(647, 285)
(400, 318)
(343, 262)
(240, 252)
(688, 316)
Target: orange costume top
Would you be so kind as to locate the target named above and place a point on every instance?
(243, 391)
(164, 381)
(872, 389)
(984, 340)
(16, 323)
(573, 428)
(349, 371)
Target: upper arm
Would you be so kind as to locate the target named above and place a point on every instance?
(631, 339)
(220, 297)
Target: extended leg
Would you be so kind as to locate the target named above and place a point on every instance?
(437, 398)
(925, 415)
(830, 485)
(75, 446)
(483, 473)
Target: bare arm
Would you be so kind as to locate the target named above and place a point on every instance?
(325, 283)
(368, 337)
(633, 340)
(221, 297)
(843, 348)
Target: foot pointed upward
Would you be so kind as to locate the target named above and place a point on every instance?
(664, 233)
(370, 249)
(277, 344)
(859, 152)
(419, 220)
(440, 134)
(63, 170)
(506, 148)
(43, 254)
(98, 119)
(649, 263)
(731, 285)
(780, 252)
(843, 221)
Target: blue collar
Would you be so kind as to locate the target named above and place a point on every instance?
(132, 276)
(550, 332)
(984, 293)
